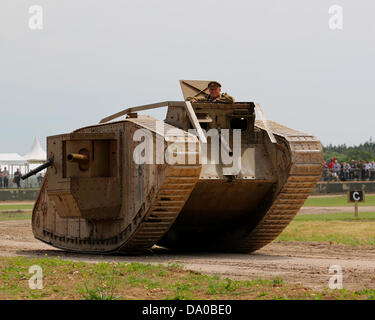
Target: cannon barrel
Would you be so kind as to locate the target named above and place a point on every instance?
(38, 169)
(77, 157)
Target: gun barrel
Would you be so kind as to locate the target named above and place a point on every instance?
(38, 169)
(77, 157)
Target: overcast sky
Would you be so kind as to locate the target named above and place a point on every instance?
(94, 58)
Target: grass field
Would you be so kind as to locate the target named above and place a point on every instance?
(349, 232)
(18, 189)
(339, 201)
(7, 216)
(15, 211)
(341, 228)
(64, 279)
(8, 207)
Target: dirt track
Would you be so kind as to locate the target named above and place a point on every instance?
(325, 210)
(306, 263)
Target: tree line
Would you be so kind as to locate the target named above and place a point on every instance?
(342, 152)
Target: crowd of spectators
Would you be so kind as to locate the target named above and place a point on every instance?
(13, 181)
(355, 170)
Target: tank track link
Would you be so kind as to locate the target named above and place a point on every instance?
(305, 171)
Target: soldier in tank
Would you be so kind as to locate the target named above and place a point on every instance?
(215, 95)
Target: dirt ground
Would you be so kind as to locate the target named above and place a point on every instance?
(325, 210)
(295, 262)
(16, 202)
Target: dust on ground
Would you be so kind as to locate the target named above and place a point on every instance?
(295, 262)
(15, 202)
(327, 210)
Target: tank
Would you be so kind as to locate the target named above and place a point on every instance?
(210, 177)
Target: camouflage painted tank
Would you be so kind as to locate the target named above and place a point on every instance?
(125, 186)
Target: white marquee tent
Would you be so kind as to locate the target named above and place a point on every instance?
(29, 161)
(36, 155)
(11, 160)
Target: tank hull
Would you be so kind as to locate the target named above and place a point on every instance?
(128, 208)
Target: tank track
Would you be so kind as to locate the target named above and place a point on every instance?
(176, 189)
(305, 171)
(179, 182)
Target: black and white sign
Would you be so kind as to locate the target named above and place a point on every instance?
(356, 196)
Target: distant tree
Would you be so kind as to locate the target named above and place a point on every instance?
(342, 152)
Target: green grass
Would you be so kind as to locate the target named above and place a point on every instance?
(63, 279)
(8, 216)
(341, 228)
(20, 189)
(338, 201)
(15, 212)
(7, 207)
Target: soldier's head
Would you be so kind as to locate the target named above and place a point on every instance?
(214, 88)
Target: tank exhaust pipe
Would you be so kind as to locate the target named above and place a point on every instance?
(45, 165)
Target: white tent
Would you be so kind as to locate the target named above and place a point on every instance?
(12, 160)
(8, 159)
(36, 154)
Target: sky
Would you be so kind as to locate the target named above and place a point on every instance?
(94, 58)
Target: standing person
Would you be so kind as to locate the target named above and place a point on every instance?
(330, 165)
(351, 174)
(5, 178)
(372, 175)
(346, 171)
(1, 178)
(337, 168)
(17, 178)
(325, 171)
(368, 167)
(362, 170)
(40, 180)
(356, 170)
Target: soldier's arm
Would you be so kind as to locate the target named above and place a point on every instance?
(225, 98)
(198, 99)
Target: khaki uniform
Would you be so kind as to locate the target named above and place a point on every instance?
(223, 98)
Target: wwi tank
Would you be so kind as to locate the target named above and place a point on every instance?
(124, 186)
